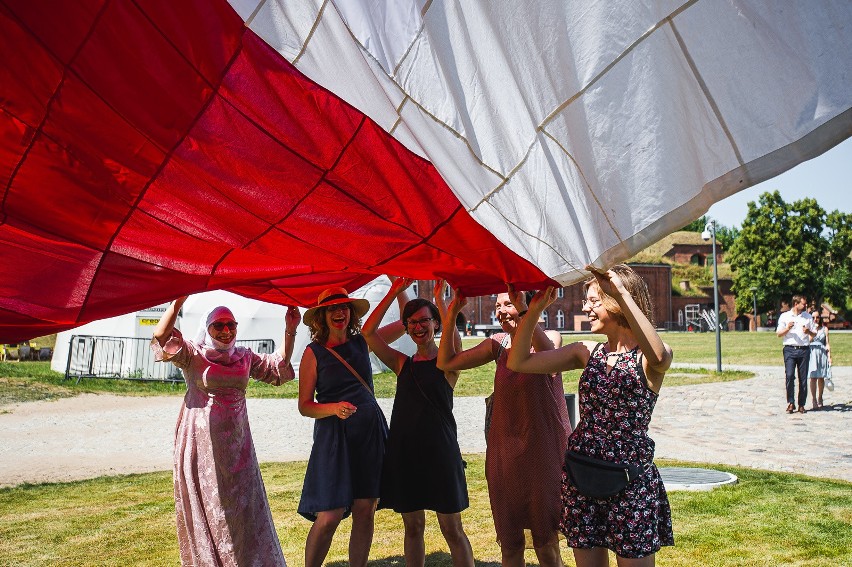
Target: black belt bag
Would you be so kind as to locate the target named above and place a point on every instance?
(597, 478)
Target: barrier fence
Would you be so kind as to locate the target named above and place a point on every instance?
(129, 358)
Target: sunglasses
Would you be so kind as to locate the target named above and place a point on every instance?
(219, 325)
(337, 307)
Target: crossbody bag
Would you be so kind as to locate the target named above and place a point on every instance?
(352, 370)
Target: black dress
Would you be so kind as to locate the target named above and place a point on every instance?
(346, 458)
(423, 467)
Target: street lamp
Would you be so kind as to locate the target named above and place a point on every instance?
(754, 297)
(710, 232)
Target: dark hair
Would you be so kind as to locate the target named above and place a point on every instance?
(320, 330)
(817, 316)
(634, 284)
(416, 305)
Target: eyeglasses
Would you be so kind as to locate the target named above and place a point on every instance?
(412, 323)
(219, 325)
(592, 304)
(337, 307)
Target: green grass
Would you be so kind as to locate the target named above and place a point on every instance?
(766, 519)
(28, 381)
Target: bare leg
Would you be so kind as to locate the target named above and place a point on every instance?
(820, 388)
(415, 548)
(647, 561)
(320, 536)
(363, 522)
(548, 555)
(513, 557)
(814, 401)
(460, 550)
(595, 557)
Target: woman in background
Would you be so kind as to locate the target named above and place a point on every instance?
(820, 361)
(223, 516)
(423, 468)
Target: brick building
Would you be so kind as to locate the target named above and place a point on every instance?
(672, 310)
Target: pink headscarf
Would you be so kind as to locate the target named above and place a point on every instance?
(216, 351)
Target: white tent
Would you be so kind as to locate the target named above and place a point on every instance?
(114, 346)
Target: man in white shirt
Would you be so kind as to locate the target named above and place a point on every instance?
(797, 328)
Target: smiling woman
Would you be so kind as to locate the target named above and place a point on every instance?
(220, 499)
(344, 469)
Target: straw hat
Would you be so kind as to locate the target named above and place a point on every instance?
(335, 296)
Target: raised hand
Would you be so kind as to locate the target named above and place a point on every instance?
(609, 282)
(518, 298)
(292, 318)
(398, 285)
(438, 296)
(542, 299)
(457, 303)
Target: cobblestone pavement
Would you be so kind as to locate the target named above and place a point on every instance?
(736, 423)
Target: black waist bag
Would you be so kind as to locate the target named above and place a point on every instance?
(596, 478)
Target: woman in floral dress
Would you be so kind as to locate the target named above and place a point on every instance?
(618, 390)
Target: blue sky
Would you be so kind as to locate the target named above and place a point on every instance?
(827, 178)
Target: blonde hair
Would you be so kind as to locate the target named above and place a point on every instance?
(636, 287)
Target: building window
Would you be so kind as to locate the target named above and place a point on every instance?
(546, 318)
(415, 289)
(447, 292)
(697, 260)
(680, 317)
(560, 293)
(560, 319)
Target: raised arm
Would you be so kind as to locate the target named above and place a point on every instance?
(291, 323)
(450, 356)
(520, 359)
(164, 328)
(540, 341)
(452, 376)
(392, 358)
(393, 331)
(658, 355)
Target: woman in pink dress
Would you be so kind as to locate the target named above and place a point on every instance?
(526, 441)
(223, 516)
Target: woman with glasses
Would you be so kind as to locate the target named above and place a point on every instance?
(336, 389)
(618, 389)
(223, 516)
(423, 468)
(526, 440)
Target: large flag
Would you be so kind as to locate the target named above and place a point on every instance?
(153, 148)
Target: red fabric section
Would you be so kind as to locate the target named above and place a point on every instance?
(150, 150)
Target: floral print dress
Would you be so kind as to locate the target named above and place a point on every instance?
(615, 411)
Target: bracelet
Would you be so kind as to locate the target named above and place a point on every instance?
(292, 334)
(522, 313)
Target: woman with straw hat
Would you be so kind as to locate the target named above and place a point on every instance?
(336, 389)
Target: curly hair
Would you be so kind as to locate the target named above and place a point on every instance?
(636, 287)
(320, 330)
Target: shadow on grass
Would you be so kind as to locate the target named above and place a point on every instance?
(435, 559)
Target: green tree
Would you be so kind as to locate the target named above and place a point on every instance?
(780, 251)
(837, 287)
(697, 225)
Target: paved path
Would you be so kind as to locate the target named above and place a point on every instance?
(737, 423)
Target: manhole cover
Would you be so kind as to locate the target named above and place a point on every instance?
(683, 478)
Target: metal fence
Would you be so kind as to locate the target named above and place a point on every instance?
(129, 358)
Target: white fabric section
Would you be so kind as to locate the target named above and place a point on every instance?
(581, 132)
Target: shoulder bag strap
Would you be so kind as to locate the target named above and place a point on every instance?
(352, 370)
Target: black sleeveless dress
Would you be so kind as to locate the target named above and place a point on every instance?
(423, 467)
(346, 458)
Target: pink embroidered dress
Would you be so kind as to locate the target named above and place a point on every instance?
(223, 516)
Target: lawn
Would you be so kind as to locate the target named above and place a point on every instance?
(766, 519)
